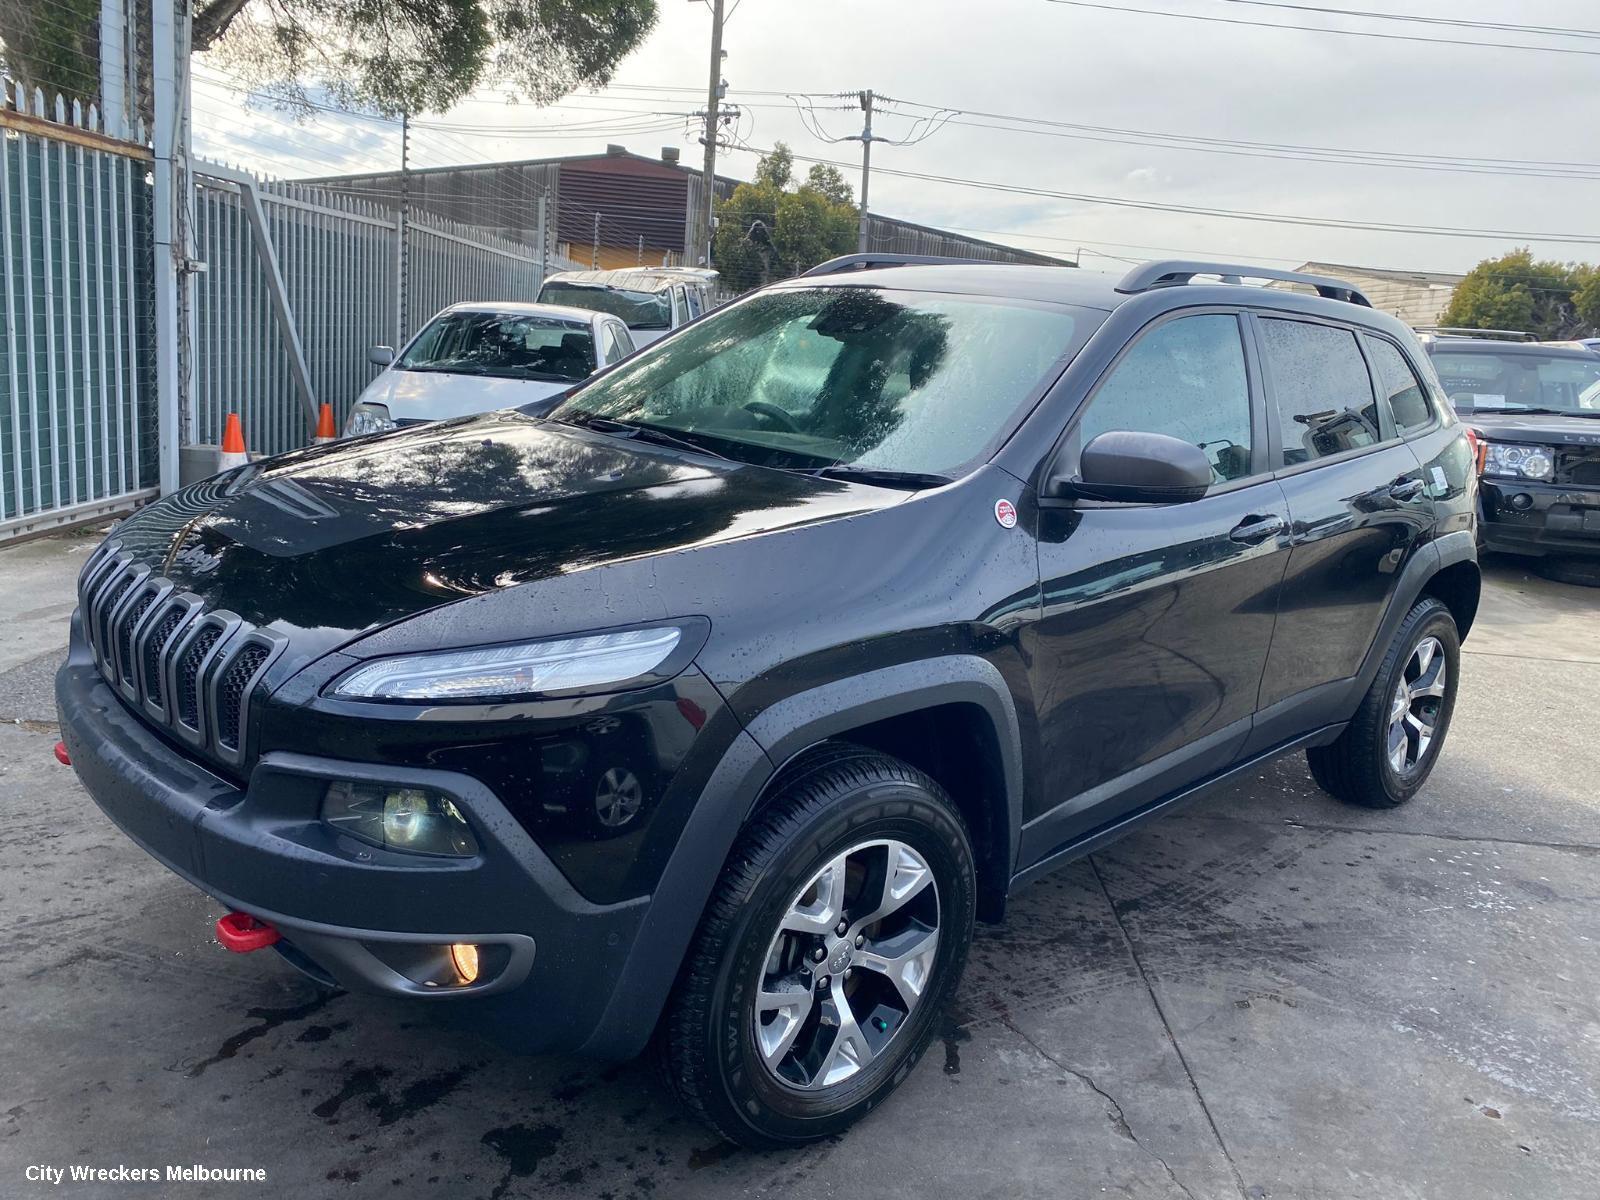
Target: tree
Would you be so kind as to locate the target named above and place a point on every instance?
(390, 55)
(769, 229)
(826, 179)
(1551, 300)
(52, 46)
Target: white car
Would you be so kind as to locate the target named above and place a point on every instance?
(652, 301)
(474, 358)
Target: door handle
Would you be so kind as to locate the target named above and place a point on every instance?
(1257, 528)
(1406, 489)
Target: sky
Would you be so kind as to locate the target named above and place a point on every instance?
(1416, 112)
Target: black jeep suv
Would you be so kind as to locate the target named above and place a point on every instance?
(717, 704)
(1535, 408)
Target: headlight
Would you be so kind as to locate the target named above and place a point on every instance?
(1519, 462)
(368, 418)
(420, 820)
(495, 672)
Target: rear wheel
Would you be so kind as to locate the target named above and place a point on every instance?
(839, 929)
(1388, 750)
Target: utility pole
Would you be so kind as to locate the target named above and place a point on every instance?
(401, 260)
(866, 167)
(169, 37)
(708, 177)
(594, 261)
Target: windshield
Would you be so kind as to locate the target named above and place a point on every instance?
(843, 376)
(509, 345)
(1514, 382)
(638, 310)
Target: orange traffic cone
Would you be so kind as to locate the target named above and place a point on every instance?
(325, 429)
(233, 451)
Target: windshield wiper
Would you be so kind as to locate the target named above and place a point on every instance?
(879, 476)
(451, 368)
(646, 433)
(1538, 411)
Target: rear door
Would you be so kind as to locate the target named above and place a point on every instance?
(1156, 619)
(1360, 509)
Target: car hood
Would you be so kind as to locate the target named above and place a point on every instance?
(328, 543)
(435, 395)
(1542, 428)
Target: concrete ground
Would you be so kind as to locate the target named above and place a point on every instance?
(1270, 995)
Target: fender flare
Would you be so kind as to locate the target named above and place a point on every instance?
(1444, 551)
(774, 736)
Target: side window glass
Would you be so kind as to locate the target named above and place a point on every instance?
(608, 344)
(1398, 382)
(1185, 378)
(625, 344)
(1320, 383)
(694, 302)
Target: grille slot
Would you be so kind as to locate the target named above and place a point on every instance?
(188, 675)
(125, 648)
(151, 643)
(1578, 465)
(155, 647)
(233, 689)
(107, 605)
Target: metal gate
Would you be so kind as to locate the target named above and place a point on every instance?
(77, 395)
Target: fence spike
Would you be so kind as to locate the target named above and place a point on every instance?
(77, 113)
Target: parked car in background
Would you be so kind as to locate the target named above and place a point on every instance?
(652, 301)
(1535, 408)
(477, 357)
(1590, 344)
(719, 718)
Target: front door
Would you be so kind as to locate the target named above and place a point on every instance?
(1156, 619)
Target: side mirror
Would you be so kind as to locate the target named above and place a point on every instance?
(380, 356)
(1136, 468)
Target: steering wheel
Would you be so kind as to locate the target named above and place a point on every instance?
(773, 413)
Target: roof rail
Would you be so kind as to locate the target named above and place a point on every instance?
(1173, 273)
(1461, 331)
(865, 262)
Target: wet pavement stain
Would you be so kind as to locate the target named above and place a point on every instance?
(368, 1083)
(524, 1148)
(270, 1019)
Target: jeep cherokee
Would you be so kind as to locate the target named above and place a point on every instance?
(718, 704)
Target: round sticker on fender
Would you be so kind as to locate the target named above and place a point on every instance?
(1006, 513)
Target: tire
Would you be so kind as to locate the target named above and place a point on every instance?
(727, 1063)
(1359, 767)
(1585, 572)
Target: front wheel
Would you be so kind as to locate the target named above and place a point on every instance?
(838, 931)
(1388, 750)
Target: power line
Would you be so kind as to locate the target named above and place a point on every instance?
(1229, 214)
(1366, 33)
(1457, 22)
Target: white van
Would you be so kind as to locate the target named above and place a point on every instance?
(651, 301)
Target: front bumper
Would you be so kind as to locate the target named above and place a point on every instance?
(344, 907)
(1539, 518)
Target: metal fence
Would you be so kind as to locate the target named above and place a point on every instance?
(337, 258)
(77, 403)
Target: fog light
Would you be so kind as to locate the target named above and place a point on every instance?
(464, 957)
(418, 820)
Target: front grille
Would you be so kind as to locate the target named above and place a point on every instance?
(190, 670)
(1579, 465)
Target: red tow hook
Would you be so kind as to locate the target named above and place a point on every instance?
(62, 756)
(242, 933)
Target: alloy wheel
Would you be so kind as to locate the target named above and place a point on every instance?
(617, 797)
(1415, 706)
(848, 965)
